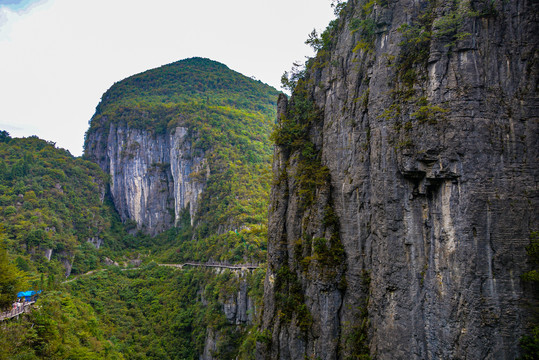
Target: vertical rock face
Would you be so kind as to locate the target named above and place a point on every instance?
(239, 307)
(424, 137)
(150, 174)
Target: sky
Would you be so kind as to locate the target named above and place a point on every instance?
(57, 57)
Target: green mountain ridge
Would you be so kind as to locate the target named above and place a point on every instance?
(185, 86)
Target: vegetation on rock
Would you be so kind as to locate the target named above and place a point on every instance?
(52, 204)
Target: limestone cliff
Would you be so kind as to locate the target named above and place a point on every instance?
(151, 175)
(405, 185)
(239, 310)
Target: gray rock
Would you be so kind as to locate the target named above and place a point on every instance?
(210, 345)
(95, 241)
(109, 262)
(434, 210)
(48, 254)
(239, 308)
(153, 177)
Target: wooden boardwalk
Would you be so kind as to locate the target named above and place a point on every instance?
(17, 311)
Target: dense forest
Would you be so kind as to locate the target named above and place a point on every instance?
(54, 209)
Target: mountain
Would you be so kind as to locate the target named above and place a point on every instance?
(402, 217)
(405, 186)
(188, 139)
(188, 151)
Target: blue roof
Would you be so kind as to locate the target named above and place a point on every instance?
(27, 293)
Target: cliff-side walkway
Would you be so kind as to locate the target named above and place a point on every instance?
(216, 265)
(24, 308)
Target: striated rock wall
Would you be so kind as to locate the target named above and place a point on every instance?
(425, 144)
(239, 310)
(153, 176)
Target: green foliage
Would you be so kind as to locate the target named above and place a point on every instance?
(356, 336)
(338, 6)
(533, 254)
(417, 36)
(12, 280)
(314, 41)
(162, 98)
(289, 298)
(451, 24)
(162, 313)
(291, 134)
(4, 136)
(329, 34)
(50, 200)
(59, 327)
(429, 113)
(366, 26)
(291, 129)
(322, 44)
(533, 248)
(412, 59)
(290, 80)
(529, 345)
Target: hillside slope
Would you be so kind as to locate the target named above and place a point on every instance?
(53, 208)
(405, 188)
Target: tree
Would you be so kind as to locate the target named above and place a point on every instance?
(4, 136)
(11, 279)
(314, 41)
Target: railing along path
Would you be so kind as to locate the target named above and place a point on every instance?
(25, 307)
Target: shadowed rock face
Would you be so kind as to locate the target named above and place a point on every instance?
(150, 174)
(429, 146)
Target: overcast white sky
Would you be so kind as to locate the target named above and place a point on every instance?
(57, 57)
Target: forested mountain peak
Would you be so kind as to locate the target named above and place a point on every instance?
(189, 80)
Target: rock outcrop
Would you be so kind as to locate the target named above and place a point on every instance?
(239, 308)
(153, 176)
(405, 189)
